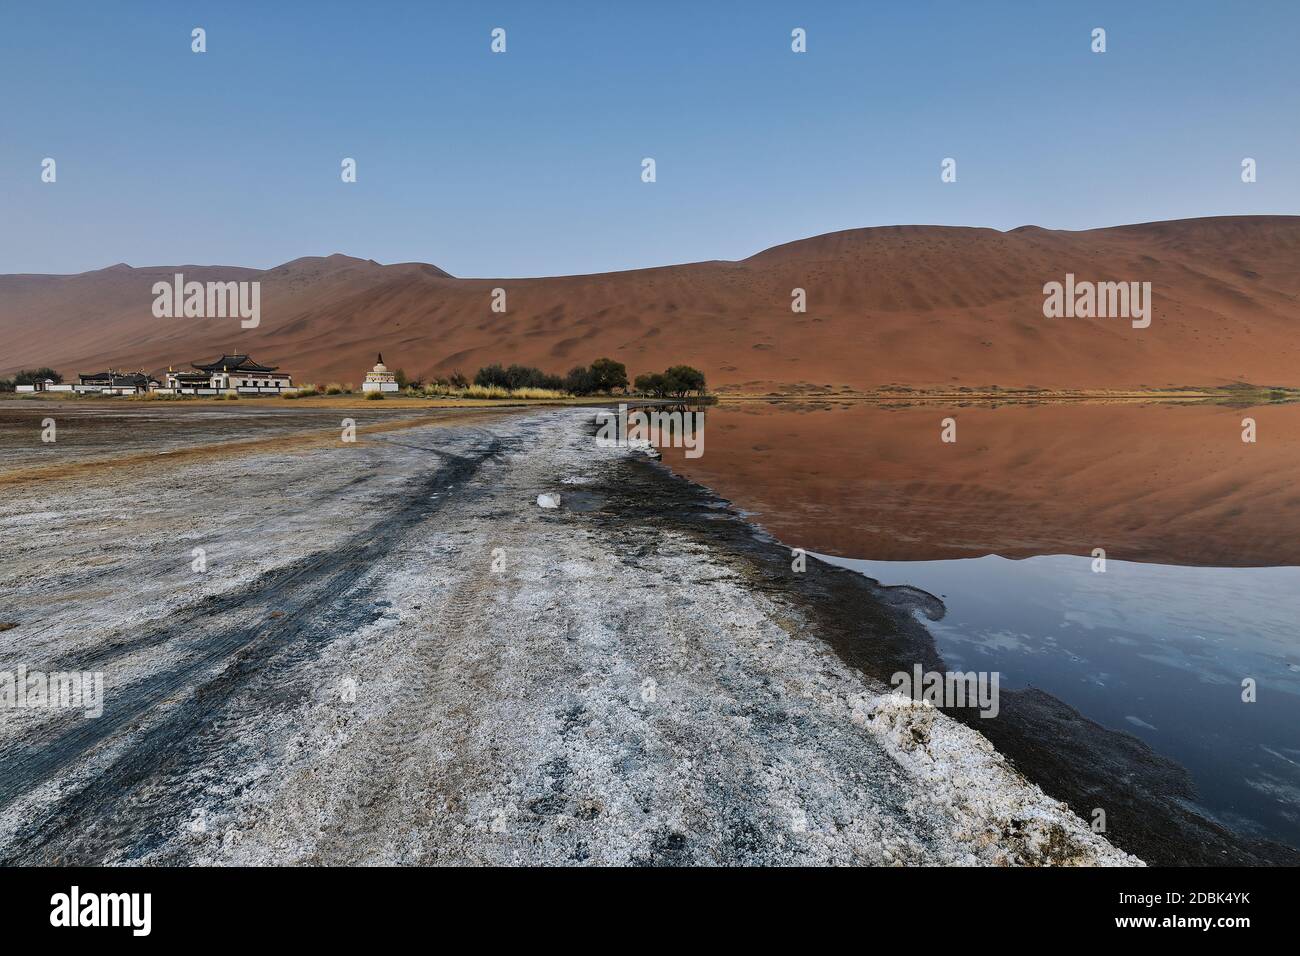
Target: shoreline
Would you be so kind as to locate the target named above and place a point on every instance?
(1069, 756)
(499, 716)
(1238, 393)
(627, 507)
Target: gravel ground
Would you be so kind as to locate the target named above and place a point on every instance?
(393, 655)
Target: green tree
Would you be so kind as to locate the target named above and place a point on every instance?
(682, 380)
(607, 375)
(580, 381)
(652, 384)
(491, 376)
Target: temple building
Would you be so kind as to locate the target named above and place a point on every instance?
(116, 383)
(185, 382)
(230, 373)
(237, 372)
(379, 379)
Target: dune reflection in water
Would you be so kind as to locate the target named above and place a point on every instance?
(1157, 646)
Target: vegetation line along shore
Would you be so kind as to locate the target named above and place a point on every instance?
(603, 377)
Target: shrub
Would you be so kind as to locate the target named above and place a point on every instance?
(516, 377)
(490, 376)
(232, 396)
(580, 381)
(651, 383)
(678, 382)
(333, 388)
(30, 376)
(374, 396)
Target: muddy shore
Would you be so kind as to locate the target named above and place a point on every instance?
(393, 655)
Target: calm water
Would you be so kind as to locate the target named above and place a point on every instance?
(1201, 588)
(1159, 651)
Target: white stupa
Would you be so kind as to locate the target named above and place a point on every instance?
(379, 379)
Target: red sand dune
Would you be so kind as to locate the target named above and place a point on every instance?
(918, 305)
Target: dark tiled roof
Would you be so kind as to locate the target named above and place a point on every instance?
(234, 363)
(118, 379)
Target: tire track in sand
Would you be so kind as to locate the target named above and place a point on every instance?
(388, 755)
(319, 594)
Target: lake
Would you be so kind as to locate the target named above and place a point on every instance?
(1198, 534)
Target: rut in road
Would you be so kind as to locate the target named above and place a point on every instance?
(370, 800)
(321, 596)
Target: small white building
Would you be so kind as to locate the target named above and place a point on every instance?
(379, 379)
(40, 385)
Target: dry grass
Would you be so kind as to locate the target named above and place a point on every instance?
(152, 397)
(492, 392)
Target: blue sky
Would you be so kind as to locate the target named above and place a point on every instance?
(528, 163)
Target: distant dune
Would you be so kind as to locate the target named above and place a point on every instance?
(914, 305)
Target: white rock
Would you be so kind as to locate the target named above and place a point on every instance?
(548, 501)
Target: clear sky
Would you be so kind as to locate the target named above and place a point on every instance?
(529, 162)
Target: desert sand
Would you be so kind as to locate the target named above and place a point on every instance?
(921, 305)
